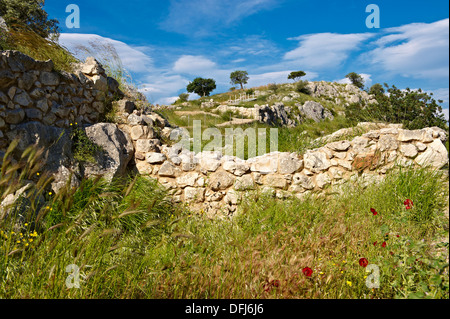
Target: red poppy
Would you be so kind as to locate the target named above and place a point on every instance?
(307, 271)
(363, 262)
(392, 253)
(383, 244)
(375, 243)
(408, 203)
(374, 212)
(398, 236)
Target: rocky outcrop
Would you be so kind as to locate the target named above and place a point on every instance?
(279, 114)
(314, 111)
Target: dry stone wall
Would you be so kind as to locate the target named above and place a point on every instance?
(215, 184)
(31, 91)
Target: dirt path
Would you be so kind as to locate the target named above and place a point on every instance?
(236, 121)
(181, 113)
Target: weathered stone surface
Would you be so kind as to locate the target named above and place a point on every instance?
(276, 181)
(264, 164)
(288, 164)
(316, 161)
(146, 146)
(220, 180)
(49, 78)
(436, 155)
(188, 179)
(315, 111)
(303, 180)
(167, 170)
(408, 150)
(117, 150)
(236, 168)
(340, 146)
(14, 116)
(155, 158)
(194, 194)
(23, 99)
(322, 180)
(244, 183)
(387, 143)
(407, 135)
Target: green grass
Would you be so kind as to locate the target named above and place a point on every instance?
(28, 42)
(130, 241)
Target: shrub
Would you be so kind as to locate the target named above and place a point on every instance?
(250, 91)
(302, 87)
(274, 87)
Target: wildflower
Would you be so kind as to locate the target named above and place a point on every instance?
(50, 193)
(365, 277)
(344, 261)
(26, 224)
(363, 262)
(408, 203)
(374, 212)
(375, 243)
(26, 244)
(321, 273)
(383, 244)
(307, 271)
(398, 236)
(349, 283)
(37, 173)
(276, 283)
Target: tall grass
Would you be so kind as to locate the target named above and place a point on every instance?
(23, 39)
(129, 241)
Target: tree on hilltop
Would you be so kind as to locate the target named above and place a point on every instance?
(296, 75)
(239, 77)
(356, 79)
(202, 87)
(28, 13)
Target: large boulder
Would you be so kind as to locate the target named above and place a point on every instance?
(315, 111)
(117, 151)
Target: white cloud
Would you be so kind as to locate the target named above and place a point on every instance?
(253, 45)
(418, 50)
(132, 58)
(274, 77)
(441, 94)
(205, 17)
(366, 77)
(193, 65)
(325, 50)
(446, 113)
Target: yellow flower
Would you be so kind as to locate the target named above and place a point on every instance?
(26, 224)
(321, 273)
(18, 241)
(21, 235)
(50, 193)
(26, 244)
(349, 283)
(37, 173)
(365, 277)
(344, 261)
(342, 272)
(30, 240)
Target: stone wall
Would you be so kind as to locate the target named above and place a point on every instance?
(31, 91)
(37, 104)
(215, 183)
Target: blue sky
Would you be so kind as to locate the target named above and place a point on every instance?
(166, 44)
